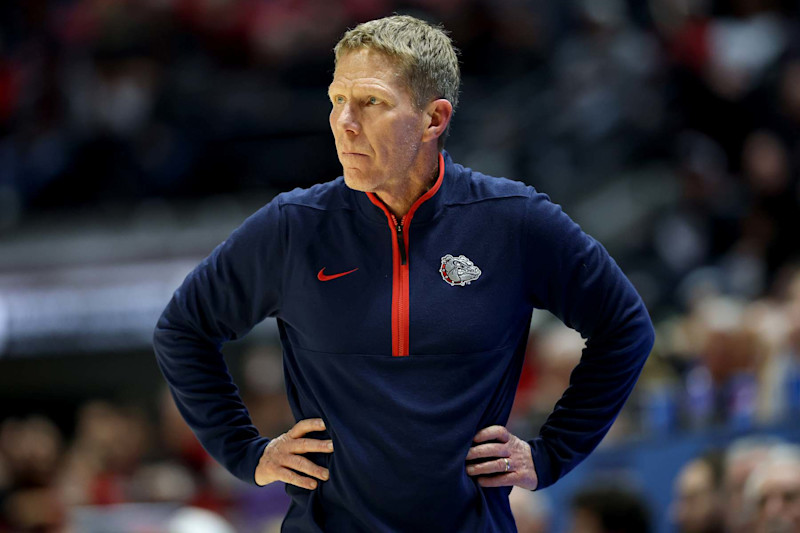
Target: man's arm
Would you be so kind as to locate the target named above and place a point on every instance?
(584, 287)
(231, 291)
(572, 276)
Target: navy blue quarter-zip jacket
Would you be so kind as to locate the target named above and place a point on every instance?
(406, 337)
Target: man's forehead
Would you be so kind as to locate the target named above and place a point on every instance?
(784, 475)
(350, 81)
(364, 66)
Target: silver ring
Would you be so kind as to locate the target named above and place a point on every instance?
(508, 465)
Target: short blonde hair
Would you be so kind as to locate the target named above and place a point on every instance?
(425, 54)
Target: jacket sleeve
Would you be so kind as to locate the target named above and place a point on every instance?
(228, 293)
(572, 276)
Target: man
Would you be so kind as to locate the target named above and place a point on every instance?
(772, 492)
(741, 458)
(403, 292)
(698, 504)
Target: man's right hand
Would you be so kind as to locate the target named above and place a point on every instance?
(282, 459)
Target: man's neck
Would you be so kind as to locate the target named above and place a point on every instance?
(407, 191)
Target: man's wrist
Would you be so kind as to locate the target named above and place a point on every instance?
(541, 463)
(254, 458)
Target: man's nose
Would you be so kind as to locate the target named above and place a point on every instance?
(348, 119)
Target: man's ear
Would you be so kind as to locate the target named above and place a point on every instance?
(438, 114)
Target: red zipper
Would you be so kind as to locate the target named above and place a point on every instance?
(400, 288)
(400, 292)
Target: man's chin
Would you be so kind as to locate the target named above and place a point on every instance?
(354, 181)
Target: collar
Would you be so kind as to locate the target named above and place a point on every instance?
(425, 211)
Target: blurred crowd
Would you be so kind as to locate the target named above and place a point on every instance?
(726, 363)
(116, 455)
(752, 486)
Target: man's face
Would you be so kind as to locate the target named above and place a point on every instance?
(737, 516)
(778, 501)
(377, 128)
(696, 508)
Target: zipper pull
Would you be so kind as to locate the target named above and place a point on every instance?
(401, 243)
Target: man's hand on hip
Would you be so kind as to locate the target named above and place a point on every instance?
(504, 461)
(282, 459)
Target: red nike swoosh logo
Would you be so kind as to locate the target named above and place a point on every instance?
(323, 277)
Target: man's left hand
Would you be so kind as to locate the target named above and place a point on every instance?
(505, 461)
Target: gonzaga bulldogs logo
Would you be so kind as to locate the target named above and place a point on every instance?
(459, 270)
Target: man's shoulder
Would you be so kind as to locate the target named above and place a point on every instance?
(326, 196)
(331, 195)
(510, 197)
(473, 186)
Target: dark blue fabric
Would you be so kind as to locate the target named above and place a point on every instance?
(402, 426)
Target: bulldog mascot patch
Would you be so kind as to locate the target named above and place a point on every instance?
(459, 270)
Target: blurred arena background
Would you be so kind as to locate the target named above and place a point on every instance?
(136, 134)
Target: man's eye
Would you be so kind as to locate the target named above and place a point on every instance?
(372, 100)
(338, 99)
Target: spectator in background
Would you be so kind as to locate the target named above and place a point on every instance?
(741, 458)
(721, 384)
(556, 352)
(263, 391)
(531, 510)
(769, 227)
(30, 450)
(781, 383)
(697, 507)
(772, 492)
(609, 510)
(108, 448)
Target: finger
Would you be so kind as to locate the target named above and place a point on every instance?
(488, 467)
(305, 466)
(306, 426)
(503, 480)
(493, 449)
(492, 433)
(310, 446)
(293, 478)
